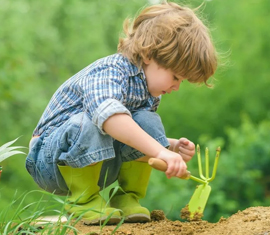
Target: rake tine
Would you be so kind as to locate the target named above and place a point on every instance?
(215, 164)
(206, 163)
(200, 162)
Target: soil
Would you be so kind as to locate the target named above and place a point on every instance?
(252, 221)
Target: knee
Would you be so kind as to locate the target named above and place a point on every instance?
(149, 122)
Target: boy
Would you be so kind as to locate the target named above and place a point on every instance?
(103, 120)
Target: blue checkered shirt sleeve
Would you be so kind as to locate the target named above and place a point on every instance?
(104, 94)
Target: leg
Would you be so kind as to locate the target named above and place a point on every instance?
(82, 182)
(85, 199)
(58, 162)
(134, 175)
(133, 180)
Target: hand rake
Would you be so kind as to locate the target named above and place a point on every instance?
(195, 207)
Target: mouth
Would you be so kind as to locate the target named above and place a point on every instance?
(164, 92)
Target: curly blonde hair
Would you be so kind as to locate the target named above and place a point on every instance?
(174, 37)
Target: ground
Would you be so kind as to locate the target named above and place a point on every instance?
(252, 221)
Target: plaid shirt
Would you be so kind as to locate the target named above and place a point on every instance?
(108, 86)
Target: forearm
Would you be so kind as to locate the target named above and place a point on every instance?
(124, 129)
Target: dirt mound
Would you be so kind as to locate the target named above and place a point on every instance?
(254, 220)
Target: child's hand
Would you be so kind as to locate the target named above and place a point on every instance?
(176, 165)
(185, 148)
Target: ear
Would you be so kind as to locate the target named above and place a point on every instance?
(146, 61)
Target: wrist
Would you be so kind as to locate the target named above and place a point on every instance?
(172, 144)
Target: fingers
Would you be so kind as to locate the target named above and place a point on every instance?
(176, 166)
(176, 169)
(186, 153)
(186, 149)
(187, 144)
(184, 141)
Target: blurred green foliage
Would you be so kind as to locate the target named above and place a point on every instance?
(44, 43)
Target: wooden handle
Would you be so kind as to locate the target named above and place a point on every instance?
(160, 165)
(157, 164)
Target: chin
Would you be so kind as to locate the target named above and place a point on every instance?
(155, 95)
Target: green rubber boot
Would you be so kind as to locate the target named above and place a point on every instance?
(133, 179)
(85, 199)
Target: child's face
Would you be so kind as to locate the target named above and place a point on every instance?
(160, 81)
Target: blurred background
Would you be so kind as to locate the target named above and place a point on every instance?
(44, 43)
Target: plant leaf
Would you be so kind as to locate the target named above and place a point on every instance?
(4, 146)
(8, 149)
(9, 154)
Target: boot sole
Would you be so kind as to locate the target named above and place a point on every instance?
(111, 221)
(137, 218)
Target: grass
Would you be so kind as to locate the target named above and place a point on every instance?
(18, 218)
(21, 218)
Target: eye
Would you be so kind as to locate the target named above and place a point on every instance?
(176, 78)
